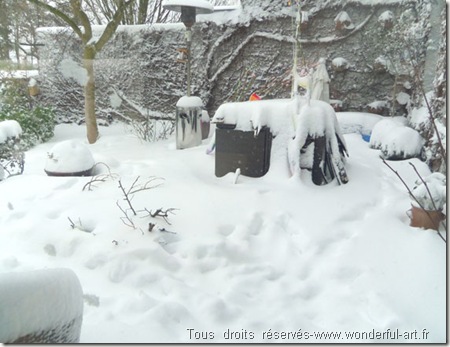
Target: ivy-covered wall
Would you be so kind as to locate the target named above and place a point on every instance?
(368, 48)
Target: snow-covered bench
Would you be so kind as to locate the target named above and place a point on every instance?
(42, 306)
(11, 157)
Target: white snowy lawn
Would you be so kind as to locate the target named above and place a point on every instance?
(271, 259)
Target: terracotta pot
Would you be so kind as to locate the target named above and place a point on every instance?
(425, 219)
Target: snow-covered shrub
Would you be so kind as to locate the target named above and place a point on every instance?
(37, 122)
(396, 140)
(11, 156)
(432, 194)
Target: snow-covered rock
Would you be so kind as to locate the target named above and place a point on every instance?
(396, 140)
(69, 157)
(43, 306)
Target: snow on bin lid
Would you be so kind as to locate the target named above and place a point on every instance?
(201, 6)
(69, 156)
(190, 101)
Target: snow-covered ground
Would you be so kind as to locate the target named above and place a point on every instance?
(271, 259)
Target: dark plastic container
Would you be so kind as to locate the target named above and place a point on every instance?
(244, 150)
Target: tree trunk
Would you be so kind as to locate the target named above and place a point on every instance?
(89, 95)
(4, 31)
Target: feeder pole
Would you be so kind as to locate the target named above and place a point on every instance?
(188, 34)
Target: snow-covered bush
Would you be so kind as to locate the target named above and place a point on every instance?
(11, 157)
(432, 194)
(37, 122)
(396, 140)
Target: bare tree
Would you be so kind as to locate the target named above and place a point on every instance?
(75, 16)
(139, 12)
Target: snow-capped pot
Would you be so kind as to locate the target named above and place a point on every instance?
(428, 214)
(436, 183)
(69, 158)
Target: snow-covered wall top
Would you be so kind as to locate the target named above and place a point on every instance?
(248, 49)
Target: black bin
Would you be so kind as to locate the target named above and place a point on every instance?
(244, 150)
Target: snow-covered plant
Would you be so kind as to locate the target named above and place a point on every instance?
(37, 122)
(430, 192)
(11, 156)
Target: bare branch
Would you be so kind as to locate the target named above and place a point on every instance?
(99, 178)
(164, 214)
(126, 197)
(126, 220)
(59, 14)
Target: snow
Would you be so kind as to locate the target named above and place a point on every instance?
(190, 101)
(386, 16)
(378, 104)
(345, 19)
(9, 129)
(251, 115)
(18, 74)
(357, 122)
(342, 17)
(340, 62)
(201, 6)
(403, 98)
(71, 69)
(394, 138)
(436, 186)
(69, 156)
(32, 82)
(276, 252)
(34, 301)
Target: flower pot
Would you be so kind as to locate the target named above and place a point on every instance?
(424, 218)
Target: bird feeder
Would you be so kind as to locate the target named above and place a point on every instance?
(189, 10)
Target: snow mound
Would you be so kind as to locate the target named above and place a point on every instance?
(396, 140)
(68, 157)
(9, 129)
(36, 301)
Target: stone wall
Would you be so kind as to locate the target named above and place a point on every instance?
(137, 74)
